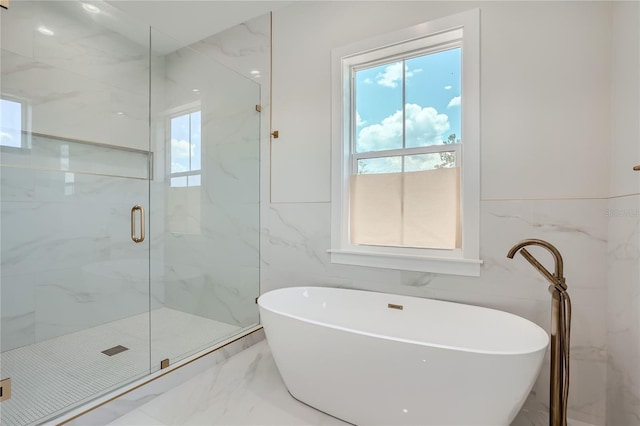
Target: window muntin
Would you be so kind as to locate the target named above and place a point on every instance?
(186, 150)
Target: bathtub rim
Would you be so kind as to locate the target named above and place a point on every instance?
(535, 348)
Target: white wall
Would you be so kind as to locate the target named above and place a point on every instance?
(623, 309)
(545, 120)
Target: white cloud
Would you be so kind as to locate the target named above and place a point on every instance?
(448, 87)
(392, 75)
(10, 138)
(359, 121)
(424, 126)
(177, 168)
(180, 148)
(454, 102)
(6, 136)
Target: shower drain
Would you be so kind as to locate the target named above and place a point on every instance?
(115, 350)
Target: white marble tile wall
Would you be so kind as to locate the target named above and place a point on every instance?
(67, 258)
(623, 301)
(296, 237)
(224, 250)
(88, 81)
(525, 192)
(623, 289)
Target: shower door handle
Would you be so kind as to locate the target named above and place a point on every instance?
(135, 238)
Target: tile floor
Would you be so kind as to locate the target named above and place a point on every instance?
(60, 372)
(246, 390)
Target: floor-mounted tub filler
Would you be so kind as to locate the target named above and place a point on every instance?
(373, 358)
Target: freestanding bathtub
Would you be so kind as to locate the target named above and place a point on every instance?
(382, 359)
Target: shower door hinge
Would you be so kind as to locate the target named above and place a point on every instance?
(5, 389)
(5, 5)
(259, 108)
(164, 363)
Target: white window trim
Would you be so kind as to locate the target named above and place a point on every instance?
(463, 261)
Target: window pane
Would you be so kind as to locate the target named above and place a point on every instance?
(378, 108)
(10, 123)
(194, 180)
(195, 141)
(179, 181)
(420, 162)
(380, 165)
(433, 100)
(180, 145)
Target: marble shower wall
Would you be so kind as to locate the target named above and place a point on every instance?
(545, 98)
(67, 255)
(67, 258)
(215, 256)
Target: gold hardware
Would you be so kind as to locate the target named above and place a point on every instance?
(5, 389)
(164, 363)
(560, 329)
(394, 306)
(4, 4)
(259, 108)
(275, 134)
(133, 224)
(636, 168)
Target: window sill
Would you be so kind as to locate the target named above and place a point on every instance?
(436, 265)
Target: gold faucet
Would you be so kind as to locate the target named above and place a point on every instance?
(560, 328)
(556, 279)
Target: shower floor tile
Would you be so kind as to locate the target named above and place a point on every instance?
(59, 373)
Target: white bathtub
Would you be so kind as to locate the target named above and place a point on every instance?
(347, 353)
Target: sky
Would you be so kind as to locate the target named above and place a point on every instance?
(432, 108)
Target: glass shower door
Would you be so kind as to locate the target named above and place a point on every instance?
(205, 197)
(75, 161)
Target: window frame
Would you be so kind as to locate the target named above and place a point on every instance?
(459, 30)
(184, 111)
(25, 135)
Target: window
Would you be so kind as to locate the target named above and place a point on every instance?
(405, 182)
(11, 119)
(186, 150)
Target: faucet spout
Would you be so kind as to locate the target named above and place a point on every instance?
(557, 279)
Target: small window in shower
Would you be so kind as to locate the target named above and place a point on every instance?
(11, 123)
(186, 150)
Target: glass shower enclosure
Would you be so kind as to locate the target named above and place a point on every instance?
(129, 202)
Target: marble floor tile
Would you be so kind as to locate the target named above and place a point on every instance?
(247, 390)
(136, 418)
